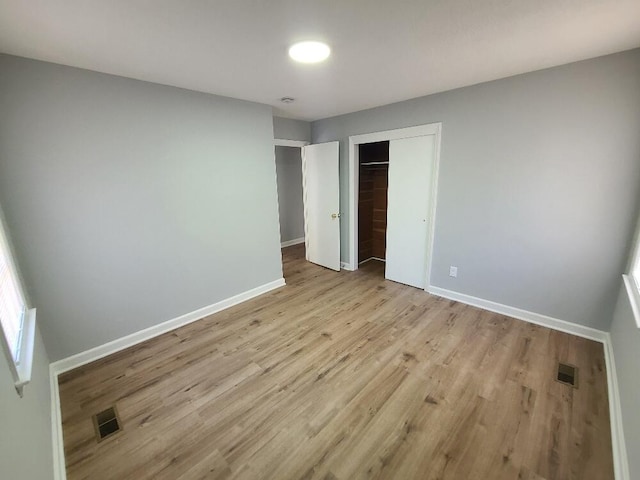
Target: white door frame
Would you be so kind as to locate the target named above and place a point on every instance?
(281, 142)
(397, 134)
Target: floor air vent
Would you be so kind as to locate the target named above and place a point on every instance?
(106, 423)
(568, 374)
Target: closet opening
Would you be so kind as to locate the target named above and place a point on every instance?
(372, 202)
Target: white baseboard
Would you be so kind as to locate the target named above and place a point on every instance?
(59, 467)
(618, 444)
(88, 356)
(346, 266)
(372, 258)
(114, 346)
(289, 243)
(531, 317)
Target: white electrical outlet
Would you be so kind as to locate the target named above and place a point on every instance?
(453, 271)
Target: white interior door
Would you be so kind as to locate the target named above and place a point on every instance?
(411, 161)
(321, 191)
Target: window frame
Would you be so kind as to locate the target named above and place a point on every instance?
(21, 367)
(634, 271)
(632, 277)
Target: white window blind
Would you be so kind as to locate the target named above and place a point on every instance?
(12, 303)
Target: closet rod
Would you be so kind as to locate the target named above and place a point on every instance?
(373, 163)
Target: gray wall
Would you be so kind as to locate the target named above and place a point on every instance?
(289, 171)
(289, 129)
(131, 203)
(539, 175)
(625, 336)
(25, 437)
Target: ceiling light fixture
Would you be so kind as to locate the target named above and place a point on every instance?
(309, 52)
(287, 99)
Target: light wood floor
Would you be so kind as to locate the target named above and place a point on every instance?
(344, 376)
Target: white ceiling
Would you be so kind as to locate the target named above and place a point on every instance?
(383, 51)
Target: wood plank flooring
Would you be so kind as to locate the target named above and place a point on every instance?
(344, 376)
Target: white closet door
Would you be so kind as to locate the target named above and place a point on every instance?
(411, 161)
(321, 191)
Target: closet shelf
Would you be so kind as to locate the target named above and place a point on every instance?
(373, 163)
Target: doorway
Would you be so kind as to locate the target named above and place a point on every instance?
(288, 160)
(289, 184)
(412, 179)
(315, 178)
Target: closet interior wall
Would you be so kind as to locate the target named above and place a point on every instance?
(372, 200)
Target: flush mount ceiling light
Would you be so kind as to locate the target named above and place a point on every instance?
(309, 52)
